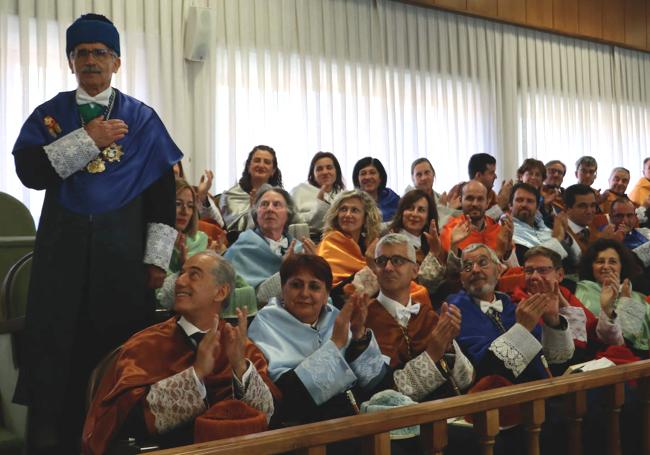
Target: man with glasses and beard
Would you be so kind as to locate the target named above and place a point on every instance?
(503, 339)
(105, 236)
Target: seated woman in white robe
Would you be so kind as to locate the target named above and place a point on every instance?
(323, 361)
(314, 197)
(258, 253)
(261, 168)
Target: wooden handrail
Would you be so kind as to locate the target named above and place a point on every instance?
(319, 434)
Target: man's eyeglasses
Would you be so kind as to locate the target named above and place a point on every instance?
(99, 54)
(542, 270)
(396, 260)
(482, 262)
(555, 171)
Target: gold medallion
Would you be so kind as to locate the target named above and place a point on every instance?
(113, 153)
(96, 166)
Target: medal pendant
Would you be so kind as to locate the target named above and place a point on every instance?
(96, 166)
(113, 153)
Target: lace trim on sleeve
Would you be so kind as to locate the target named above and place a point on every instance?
(176, 400)
(419, 377)
(325, 373)
(463, 371)
(494, 212)
(558, 343)
(269, 288)
(165, 294)
(577, 322)
(212, 211)
(516, 348)
(643, 253)
(369, 364)
(71, 152)
(253, 391)
(160, 244)
(631, 315)
(608, 331)
(431, 273)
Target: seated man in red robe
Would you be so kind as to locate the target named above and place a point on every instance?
(591, 334)
(170, 373)
(419, 344)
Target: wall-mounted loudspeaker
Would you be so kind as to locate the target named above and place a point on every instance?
(199, 33)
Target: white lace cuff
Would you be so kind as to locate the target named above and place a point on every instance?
(160, 244)
(494, 212)
(325, 373)
(419, 377)
(643, 253)
(453, 263)
(211, 212)
(431, 273)
(641, 214)
(369, 364)
(608, 331)
(631, 315)
(269, 288)
(71, 152)
(554, 244)
(558, 344)
(577, 322)
(165, 294)
(463, 371)
(253, 391)
(176, 400)
(516, 348)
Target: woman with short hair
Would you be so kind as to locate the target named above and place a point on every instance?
(370, 176)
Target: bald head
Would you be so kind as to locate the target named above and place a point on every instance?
(474, 200)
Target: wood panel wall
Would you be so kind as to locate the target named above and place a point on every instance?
(621, 22)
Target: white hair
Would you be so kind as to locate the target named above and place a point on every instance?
(396, 239)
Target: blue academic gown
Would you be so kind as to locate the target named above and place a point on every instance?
(312, 373)
(87, 291)
(477, 332)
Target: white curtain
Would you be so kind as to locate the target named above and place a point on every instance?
(354, 77)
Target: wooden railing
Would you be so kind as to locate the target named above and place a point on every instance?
(312, 439)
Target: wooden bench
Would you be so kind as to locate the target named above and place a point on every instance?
(312, 439)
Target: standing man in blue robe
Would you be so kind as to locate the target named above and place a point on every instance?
(105, 235)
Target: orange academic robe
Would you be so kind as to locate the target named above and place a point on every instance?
(487, 236)
(399, 343)
(155, 353)
(344, 256)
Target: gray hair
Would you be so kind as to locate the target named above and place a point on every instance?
(396, 239)
(475, 246)
(619, 169)
(288, 200)
(223, 273)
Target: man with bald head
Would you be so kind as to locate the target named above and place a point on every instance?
(618, 182)
(473, 226)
